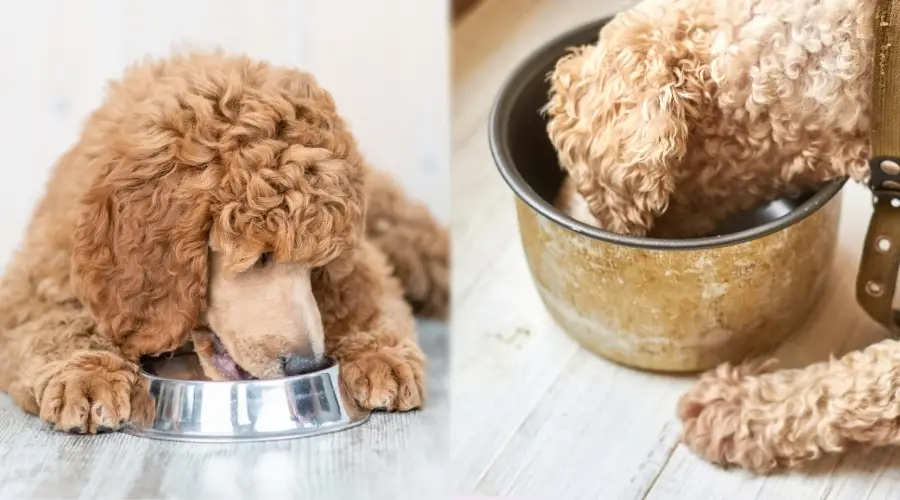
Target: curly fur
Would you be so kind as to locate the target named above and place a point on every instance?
(199, 155)
(193, 160)
(686, 111)
(406, 233)
(762, 419)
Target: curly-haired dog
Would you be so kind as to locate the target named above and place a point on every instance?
(222, 200)
(761, 419)
(687, 111)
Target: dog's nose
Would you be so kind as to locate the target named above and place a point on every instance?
(300, 364)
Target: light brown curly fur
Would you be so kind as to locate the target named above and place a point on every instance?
(760, 419)
(208, 155)
(686, 111)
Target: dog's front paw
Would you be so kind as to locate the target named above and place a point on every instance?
(720, 428)
(91, 392)
(389, 379)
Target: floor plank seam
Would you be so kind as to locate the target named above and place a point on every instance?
(494, 204)
(669, 453)
(512, 435)
(467, 291)
(826, 488)
(880, 473)
(463, 140)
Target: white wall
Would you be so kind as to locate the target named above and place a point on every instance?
(386, 62)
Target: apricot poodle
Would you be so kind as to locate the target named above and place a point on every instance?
(686, 111)
(219, 201)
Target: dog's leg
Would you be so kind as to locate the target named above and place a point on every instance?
(417, 245)
(761, 419)
(62, 370)
(370, 330)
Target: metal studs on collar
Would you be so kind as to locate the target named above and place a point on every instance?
(884, 176)
(883, 244)
(889, 167)
(874, 288)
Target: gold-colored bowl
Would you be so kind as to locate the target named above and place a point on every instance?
(665, 305)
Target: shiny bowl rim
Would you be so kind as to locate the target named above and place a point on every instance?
(353, 414)
(498, 126)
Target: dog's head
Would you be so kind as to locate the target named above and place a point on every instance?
(621, 111)
(226, 186)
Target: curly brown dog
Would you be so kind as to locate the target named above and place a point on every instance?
(688, 111)
(222, 200)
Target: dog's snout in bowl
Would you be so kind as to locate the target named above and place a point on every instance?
(301, 364)
(679, 305)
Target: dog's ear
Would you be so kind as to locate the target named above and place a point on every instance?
(621, 112)
(139, 260)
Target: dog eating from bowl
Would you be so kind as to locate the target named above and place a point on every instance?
(221, 202)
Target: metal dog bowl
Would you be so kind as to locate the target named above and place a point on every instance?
(659, 304)
(247, 410)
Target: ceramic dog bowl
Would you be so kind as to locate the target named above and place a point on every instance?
(248, 410)
(666, 305)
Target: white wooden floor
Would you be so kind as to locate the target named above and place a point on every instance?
(534, 415)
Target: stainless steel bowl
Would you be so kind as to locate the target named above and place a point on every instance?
(239, 411)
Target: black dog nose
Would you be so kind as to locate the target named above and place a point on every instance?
(299, 364)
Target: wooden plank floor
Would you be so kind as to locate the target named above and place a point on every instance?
(391, 456)
(536, 416)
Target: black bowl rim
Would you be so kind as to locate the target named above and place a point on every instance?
(498, 123)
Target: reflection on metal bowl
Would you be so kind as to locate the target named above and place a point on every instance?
(187, 409)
